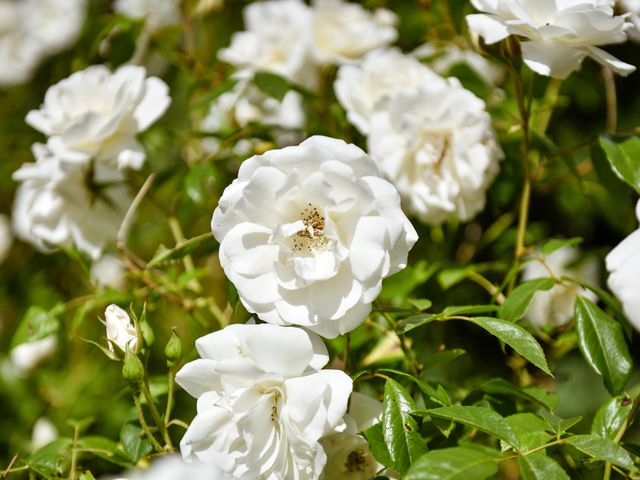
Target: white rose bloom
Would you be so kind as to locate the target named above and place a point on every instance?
(276, 40)
(58, 205)
(108, 271)
(44, 432)
(555, 307)
(382, 74)
(263, 402)
(343, 31)
(437, 146)
(156, 13)
(26, 356)
(120, 330)
(32, 29)
(95, 113)
(6, 237)
(348, 454)
(307, 233)
(633, 8)
(623, 265)
(559, 33)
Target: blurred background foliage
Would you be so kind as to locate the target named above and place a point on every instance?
(573, 196)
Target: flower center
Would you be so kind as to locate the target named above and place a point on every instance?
(356, 461)
(311, 238)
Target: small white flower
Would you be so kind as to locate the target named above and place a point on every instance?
(559, 33)
(436, 144)
(276, 40)
(623, 265)
(6, 237)
(263, 402)
(246, 104)
(173, 467)
(348, 455)
(108, 271)
(120, 330)
(95, 113)
(26, 356)
(555, 307)
(344, 31)
(381, 75)
(33, 29)
(156, 13)
(44, 432)
(61, 205)
(307, 233)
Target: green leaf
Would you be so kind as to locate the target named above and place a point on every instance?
(624, 159)
(181, 250)
(517, 338)
(52, 460)
(416, 321)
(437, 395)
(499, 386)
(602, 449)
(400, 429)
(36, 324)
(377, 445)
(602, 344)
(558, 424)
(529, 429)
(449, 277)
(518, 301)
(135, 444)
(558, 243)
(540, 467)
(611, 416)
(272, 85)
(482, 418)
(421, 304)
(457, 463)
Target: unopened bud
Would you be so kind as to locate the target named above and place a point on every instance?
(173, 350)
(132, 368)
(147, 333)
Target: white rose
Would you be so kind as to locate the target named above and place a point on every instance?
(555, 307)
(156, 13)
(344, 31)
(6, 237)
(632, 7)
(108, 271)
(173, 467)
(348, 454)
(623, 265)
(120, 330)
(263, 402)
(97, 114)
(276, 39)
(437, 146)
(58, 205)
(20, 53)
(307, 233)
(559, 33)
(26, 356)
(382, 74)
(55, 24)
(44, 432)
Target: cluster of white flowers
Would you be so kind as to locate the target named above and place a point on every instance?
(555, 307)
(623, 265)
(74, 194)
(431, 137)
(33, 29)
(559, 34)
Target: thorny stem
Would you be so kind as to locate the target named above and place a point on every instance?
(143, 423)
